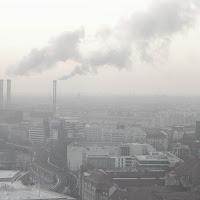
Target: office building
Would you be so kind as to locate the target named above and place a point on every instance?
(157, 161)
(36, 133)
(101, 161)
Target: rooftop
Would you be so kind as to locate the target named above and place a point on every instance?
(11, 193)
(155, 193)
(188, 172)
(99, 178)
(7, 174)
(95, 144)
(152, 157)
(158, 155)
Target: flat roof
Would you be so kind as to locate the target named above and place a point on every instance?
(151, 157)
(95, 144)
(7, 174)
(152, 178)
(8, 192)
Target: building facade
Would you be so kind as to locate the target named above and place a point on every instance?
(158, 139)
(96, 186)
(181, 151)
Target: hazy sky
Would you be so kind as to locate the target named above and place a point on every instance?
(101, 47)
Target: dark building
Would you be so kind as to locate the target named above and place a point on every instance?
(187, 175)
(124, 150)
(53, 124)
(47, 129)
(7, 156)
(181, 151)
(196, 149)
(101, 161)
(154, 193)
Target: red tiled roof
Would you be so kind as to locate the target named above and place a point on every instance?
(189, 172)
(99, 178)
(86, 167)
(139, 182)
(141, 194)
(148, 194)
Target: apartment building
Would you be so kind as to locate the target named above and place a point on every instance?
(113, 132)
(36, 133)
(157, 138)
(96, 186)
(93, 132)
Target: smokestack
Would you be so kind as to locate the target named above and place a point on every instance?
(1, 94)
(54, 97)
(8, 93)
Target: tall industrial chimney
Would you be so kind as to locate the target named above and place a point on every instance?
(1, 94)
(8, 93)
(54, 97)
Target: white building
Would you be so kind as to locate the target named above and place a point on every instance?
(16, 191)
(157, 161)
(54, 134)
(137, 149)
(134, 134)
(129, 151)
(8, 176)
(113, 132)
(36, 133)
(77, 155)
(124, 161)
(93, 132)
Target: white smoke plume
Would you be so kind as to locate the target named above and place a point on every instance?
(145, 36)
(62, 48)
(78, 70)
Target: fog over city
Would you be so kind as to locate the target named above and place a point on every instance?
(100, 100)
